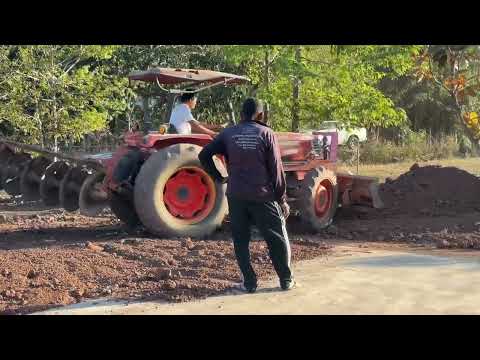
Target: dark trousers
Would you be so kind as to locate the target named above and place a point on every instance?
(172, 129)
(268, 218)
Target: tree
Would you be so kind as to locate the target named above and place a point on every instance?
(54, 93)
(426, 106)
(296, 92)
(59, 93)
(455, 70)
(319, 84)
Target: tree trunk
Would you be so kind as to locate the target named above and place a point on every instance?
(266, 82)
(43, 138)
(55, 121)
(296, 94)
(266, 74)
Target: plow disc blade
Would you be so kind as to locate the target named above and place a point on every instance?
(50, 184)
(93, 199)
(11, 173)
(31, 178)
(359, 190)
(5, 154)
(70, 188)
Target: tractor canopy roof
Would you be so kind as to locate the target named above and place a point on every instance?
(171, 76)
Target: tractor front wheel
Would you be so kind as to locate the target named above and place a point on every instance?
(317, 199)
(174, 196)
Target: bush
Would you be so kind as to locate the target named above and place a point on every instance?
(416, 146)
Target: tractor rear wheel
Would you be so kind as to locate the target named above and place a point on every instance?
(317, 199)
(174, 196)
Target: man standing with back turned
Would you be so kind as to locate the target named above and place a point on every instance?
(256, 191)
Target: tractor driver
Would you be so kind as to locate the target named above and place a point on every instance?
(182, 120)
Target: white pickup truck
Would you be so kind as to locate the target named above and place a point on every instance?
(350, 137)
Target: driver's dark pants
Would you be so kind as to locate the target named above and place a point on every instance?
(268, 218)
(172, 129)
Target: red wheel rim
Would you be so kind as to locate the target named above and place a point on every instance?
(189, 195)
(323, 198)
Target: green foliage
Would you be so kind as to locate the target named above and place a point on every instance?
(58, 93)
(455, 71)
(427, 107)
(339, 85)
(52, 93)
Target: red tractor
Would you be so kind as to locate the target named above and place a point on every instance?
(155, 179)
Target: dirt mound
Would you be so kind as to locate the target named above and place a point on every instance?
(431, 191)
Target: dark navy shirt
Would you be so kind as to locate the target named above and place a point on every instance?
(254, 164)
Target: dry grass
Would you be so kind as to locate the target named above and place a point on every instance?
(383, 171)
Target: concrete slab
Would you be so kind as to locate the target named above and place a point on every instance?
(368, 282)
